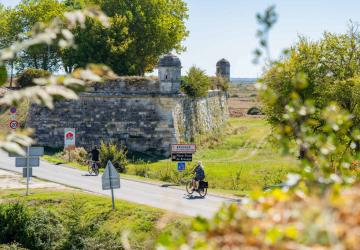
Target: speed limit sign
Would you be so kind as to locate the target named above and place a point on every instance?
(13, 124)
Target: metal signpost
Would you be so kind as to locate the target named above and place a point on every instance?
(69, 139)
(27, 162)
(182, 152)
(13, 123)
(110, 180)
(181, 166)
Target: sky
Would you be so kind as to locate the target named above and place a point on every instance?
(227, 28)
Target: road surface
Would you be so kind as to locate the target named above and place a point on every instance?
(154, 195)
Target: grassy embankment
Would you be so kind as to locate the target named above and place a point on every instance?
(238, 160)
(143, 224)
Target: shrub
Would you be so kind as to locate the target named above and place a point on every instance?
(33, 230)
(254, 111)
(196, 83)
(117, 156)
(26, 78)
(219, 83)
(79, 155)
(142, 169)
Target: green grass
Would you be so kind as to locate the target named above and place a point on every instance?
(140, 221)
(239, 161)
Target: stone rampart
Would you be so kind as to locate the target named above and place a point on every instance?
(132, 111)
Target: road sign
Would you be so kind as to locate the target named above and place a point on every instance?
(13, 110)
(181, 166)
(69, 138)
(183, 148)
(110, 180)
(181, 157)
(13, 124)
(33, 151)
(21, 162)
(25, 171)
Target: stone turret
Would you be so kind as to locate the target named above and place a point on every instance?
(223, 69)
(169, 73)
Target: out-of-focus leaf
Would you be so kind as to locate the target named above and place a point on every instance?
(3, 75)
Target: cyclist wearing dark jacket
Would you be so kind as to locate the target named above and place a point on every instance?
(95, 154)
(199, 175)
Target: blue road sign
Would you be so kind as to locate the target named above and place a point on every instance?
(181, 166)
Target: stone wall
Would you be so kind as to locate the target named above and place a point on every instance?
(132, 111)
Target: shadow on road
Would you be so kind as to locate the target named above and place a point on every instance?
(193, 197)
(88, 175)
(169, 185)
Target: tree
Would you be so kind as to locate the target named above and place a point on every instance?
(330, 69)
(140, 32)
(20, 22)
(196, 83)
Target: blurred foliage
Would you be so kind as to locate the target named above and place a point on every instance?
(281, 220)
(196, 83)
(310, 98)
(55, 32)
(3, 75)
(27, 77)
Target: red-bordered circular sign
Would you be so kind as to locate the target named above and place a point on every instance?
(13, 124)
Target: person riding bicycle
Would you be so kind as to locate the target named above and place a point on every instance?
(199, 175)
(95, 153)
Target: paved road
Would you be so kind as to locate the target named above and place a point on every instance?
(171, 199)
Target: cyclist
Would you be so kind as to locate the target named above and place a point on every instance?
(95, 153)
(199, 175)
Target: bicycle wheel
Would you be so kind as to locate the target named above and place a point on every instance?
(96, 171)
(90, 169)
(189, 187)
(202, 192)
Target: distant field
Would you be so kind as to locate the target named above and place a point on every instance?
(241, 161)
(242, 98)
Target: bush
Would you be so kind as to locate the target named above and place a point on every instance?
(117, 156)
(196, 84)
(254, 111)
(142, 169)
(219, 83)
(33, 230)
(26, 78)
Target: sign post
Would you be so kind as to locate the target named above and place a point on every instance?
(69, 139)
(182, 152)
(110, 180)
(30, 160)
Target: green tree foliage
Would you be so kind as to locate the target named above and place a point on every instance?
(18, 24)
(328, 70)
(140, 31)
(196, 83)
(117, 156)
(26, 78)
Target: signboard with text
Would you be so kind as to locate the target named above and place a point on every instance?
(69, 138)
(181, 157)
(183, 148)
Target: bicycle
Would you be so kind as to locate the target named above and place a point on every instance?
(93, 167)
(202, 189)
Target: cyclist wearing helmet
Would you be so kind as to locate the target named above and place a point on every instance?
(199, 175)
